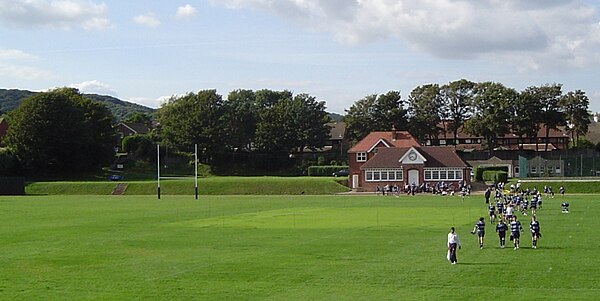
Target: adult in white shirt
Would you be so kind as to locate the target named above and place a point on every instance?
(453, 243)
(509, 212)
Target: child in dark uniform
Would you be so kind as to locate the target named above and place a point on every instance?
(515, 231)
(534, 226)
(501, 228)
(480, 229)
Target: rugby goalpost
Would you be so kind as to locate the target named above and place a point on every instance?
(195, 171)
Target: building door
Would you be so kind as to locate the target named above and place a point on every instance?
(354, 181)
(413, 177)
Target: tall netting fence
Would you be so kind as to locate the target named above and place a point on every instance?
(566, 163)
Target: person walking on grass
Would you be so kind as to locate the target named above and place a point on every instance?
(501, 229)
(534, 204)
(480, 229)
(515, 231)
(534, 226)
(453, 244)
(492, 213)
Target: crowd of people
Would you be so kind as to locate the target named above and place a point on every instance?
(503, 210)
(439, 188)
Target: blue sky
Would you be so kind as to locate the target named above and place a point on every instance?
(336, 50)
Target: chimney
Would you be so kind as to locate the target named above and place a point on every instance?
(393, 133)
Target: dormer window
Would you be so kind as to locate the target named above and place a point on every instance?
(361, 157)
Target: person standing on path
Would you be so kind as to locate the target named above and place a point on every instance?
(453, 243)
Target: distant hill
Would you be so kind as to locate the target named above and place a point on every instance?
(336, 117)
(11, 99)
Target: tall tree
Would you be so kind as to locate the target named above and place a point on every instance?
(61, 131)
(575, 106)
(424, 111)
(551, 112)
(457, 98)
(240, 115)
(490, 111)
(193, 119)
(291, 125)
(376, 113)
(524, 116)
(266, 98)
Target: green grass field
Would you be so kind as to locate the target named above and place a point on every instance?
(286, 248)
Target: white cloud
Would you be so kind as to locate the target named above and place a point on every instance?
(534, 34)
(63, 14)
(15, 63)
(15, 54)
(149, 20)
(95, 87)
(186, 11)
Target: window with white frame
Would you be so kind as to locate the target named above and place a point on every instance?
(361, 157)
(434, 174)
(442, 141)
(533, 169)
(383, 175)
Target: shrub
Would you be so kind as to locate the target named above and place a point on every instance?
(480, 170)
(495, 176)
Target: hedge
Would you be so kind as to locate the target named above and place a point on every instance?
(495, 176)
(480, 170)
(326, 170)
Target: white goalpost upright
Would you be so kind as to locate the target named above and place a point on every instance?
(158, 170)
(195, 171)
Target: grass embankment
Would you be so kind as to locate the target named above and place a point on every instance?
(206, 186)
(287, 248)
(588, 186)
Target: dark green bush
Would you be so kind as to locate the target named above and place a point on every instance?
(480, 170)
(495, 176)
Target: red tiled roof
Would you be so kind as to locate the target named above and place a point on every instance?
(337, 131)
(138, 128)
(436, 157)
(461, 134)
(402, 139)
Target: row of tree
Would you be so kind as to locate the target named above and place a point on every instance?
(267, 121)
(63, 131)
(486, 109)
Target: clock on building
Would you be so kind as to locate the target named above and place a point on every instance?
(412, 156)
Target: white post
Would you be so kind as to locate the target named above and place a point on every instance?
(158, 170)
(196, 170)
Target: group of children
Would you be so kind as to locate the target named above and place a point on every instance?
(503, 208)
